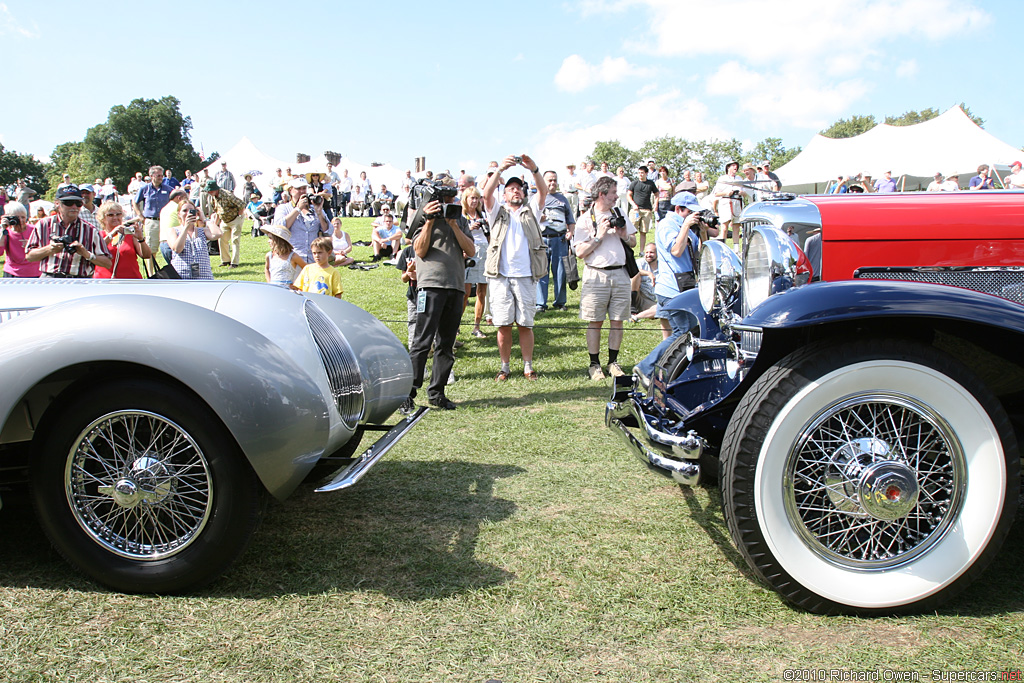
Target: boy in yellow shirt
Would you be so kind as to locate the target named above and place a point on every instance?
(319, 277)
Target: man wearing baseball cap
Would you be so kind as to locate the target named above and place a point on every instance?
(304, 219)
(678, 240)
(516, 260)
(1015, 181)
(59, 241)
(229, 213)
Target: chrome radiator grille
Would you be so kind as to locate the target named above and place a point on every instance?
(1007, 283)
(340, 363)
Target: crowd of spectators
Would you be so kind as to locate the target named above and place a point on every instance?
(509, 249)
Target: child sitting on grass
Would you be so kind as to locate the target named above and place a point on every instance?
(319, 277)
(282, 264)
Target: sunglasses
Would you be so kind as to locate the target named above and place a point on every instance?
(71, 202)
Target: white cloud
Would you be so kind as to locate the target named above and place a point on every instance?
(11, 26)
(793, 94)
(667, 113)
(907, 69)
(795, 30)
(801, 60)
(576, 74)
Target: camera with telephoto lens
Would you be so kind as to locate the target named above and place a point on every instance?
(708, 218)
(314, 198)
(470, 262)
(67, 241)
(617, 220)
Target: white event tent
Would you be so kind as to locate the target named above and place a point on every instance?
(245, 157)
(949, 143)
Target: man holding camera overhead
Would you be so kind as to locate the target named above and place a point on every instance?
(229, 211)
(304, 216)
(59, 241)
(442, 241)
(516, 259)
(602, 239)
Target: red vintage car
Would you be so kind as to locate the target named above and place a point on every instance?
(856, 385)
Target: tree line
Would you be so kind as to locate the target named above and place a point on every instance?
(134, 137)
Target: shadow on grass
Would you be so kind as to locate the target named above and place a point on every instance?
(409, 531)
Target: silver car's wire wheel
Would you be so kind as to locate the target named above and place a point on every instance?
(138, 484)
(874, 481)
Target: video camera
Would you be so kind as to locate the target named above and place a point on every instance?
(426, 191)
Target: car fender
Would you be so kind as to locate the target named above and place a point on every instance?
(274, 409)
(830, 302)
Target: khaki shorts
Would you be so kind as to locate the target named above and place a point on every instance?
(605, 293)
(512, 300)
(646, 221)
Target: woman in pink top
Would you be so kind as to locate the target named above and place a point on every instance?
(125, 242)
(15, 233)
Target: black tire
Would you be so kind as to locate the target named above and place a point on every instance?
(871, 477)
(674, 359)
(168, 513)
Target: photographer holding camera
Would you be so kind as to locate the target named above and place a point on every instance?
(516, 259)
(15, 231)
(604, 239)
(442, 242)
(229, 214)
(304, 216)
(59, 241)
(678, 237)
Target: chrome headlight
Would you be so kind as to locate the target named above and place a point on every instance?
(718, 276)
(773, 263)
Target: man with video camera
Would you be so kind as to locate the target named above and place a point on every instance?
(678, 237)
(59, 241)
(441, 240)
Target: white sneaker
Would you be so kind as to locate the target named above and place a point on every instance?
(595, 372)
(451, 377)
(615, 370)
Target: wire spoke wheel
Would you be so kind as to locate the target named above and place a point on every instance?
(874, 476)
(138, 485)
(874, 481)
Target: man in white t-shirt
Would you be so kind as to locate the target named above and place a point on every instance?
(516, 259)
(345, 189)
(606, 286)
(1015, 181)
(585, 184)
(937, 185)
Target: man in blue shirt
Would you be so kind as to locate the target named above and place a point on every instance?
(149, 201)
(678, 241)
(887, 184)
(556, 222)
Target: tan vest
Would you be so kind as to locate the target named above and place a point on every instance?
(538, 250)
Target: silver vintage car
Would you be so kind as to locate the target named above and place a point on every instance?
(152, 417)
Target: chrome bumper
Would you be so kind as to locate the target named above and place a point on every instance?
(679, 455)
(350, 474)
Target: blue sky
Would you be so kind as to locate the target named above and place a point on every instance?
(463, 83)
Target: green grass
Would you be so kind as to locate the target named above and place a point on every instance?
(511, 539)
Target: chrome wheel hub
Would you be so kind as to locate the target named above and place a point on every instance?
(874, 480)
(139, 485)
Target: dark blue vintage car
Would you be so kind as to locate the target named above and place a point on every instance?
(863, 428)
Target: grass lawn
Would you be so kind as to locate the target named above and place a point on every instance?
(512, 539)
